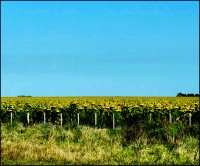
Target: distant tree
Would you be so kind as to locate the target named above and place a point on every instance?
(23, 96)
(179, 94)
(190, 94)
(186, 95)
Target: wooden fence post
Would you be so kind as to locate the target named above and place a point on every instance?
(28, 118)
(150, 117)
(190, 119)
(95, 119)
(61, 119)
(170, 121)
(78, 118)
(113, 121)
(11, 117)
(170, 117)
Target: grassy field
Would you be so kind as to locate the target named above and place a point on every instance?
(55, 145)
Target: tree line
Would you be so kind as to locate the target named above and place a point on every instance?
(23, 96)
(187, 95)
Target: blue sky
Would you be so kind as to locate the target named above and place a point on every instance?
(99, 48)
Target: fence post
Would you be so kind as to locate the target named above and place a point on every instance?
(61, 119)
(44, 118)
(11, 117)
(78, 117)
(170, 117)
(113, 121)
(190, 119)
(150, 117)
(170, 121)
(28, 118)
(95, 119)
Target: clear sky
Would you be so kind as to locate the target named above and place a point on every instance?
(99, 48)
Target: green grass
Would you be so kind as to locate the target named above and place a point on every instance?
(54, 145)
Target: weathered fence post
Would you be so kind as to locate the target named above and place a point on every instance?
(28, 118)
(190, 119)
(11, 117)
(150, 117)
(170, 117)
(113, 121)
(95, 119)
(78, 118)
(61, 119)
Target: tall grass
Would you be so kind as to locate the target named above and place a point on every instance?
(54, 145)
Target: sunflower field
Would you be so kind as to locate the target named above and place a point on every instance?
(101, 112)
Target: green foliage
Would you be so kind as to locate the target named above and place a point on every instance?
(77, 134)
(45, 130)
(174, 128)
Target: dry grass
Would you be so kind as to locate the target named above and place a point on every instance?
(53, 145)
